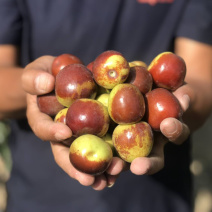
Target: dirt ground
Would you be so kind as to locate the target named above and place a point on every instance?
(201, 168)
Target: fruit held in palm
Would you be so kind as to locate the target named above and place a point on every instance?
(90, 154)
(110, 68)
(103, 98)
(63, 60)
(88, 116)
(73, 82)
(161, 104)
(49, 104)
(140, 77)
(168, 70)
(102, 90)
(61, 116)
(126, 104)
(133, 140)
(108, 139)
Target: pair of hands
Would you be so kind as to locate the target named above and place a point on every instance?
(37, 79)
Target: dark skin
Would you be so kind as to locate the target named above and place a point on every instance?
(195, 98)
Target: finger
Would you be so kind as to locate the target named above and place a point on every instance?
(111, 179)
(148, 166)
(184, 95)
(37, 78)
(108, 178)
(42, 125)
(153, 163)
(176, 131)
(61, 156)
(100, 182)
(117, 165)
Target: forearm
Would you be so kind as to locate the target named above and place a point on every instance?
(199, 78)
(12, 96)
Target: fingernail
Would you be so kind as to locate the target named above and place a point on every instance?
(171, 128)
(110, 185)
(41, 83)
(186, 102)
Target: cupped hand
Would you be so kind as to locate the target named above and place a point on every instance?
(171, 130)
(99, 182)
(37, 79)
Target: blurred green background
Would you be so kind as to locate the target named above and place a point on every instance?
(201, 166)
(5, 162)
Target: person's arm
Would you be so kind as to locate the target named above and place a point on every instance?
(198, 58)
(12, 95)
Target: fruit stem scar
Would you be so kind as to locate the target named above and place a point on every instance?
(112, 73)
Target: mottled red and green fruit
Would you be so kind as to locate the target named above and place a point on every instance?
(73, 82)
(168, 70)
(137, 63)
(61, 118)
(126, 104)
(48, 104)
(161, 104)
(90, 154)
(133, 140)
(63, 60)
(110, 68)
(140, 77)
(88, 116)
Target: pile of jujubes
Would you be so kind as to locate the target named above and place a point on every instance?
(112, 106)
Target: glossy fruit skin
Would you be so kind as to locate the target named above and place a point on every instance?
(110, 68)
(73, 82)
(61, 118)
(88, 116)
(140, 77)
(161, 104)
(49, 104)
(133, 140)
(63, 60)
(126, 104)
(90, 154)
(168, 71)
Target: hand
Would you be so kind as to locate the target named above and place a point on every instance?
(37, 79)
(172, 130)
(107, 179)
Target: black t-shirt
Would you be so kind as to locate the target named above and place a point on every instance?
(86, 28)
